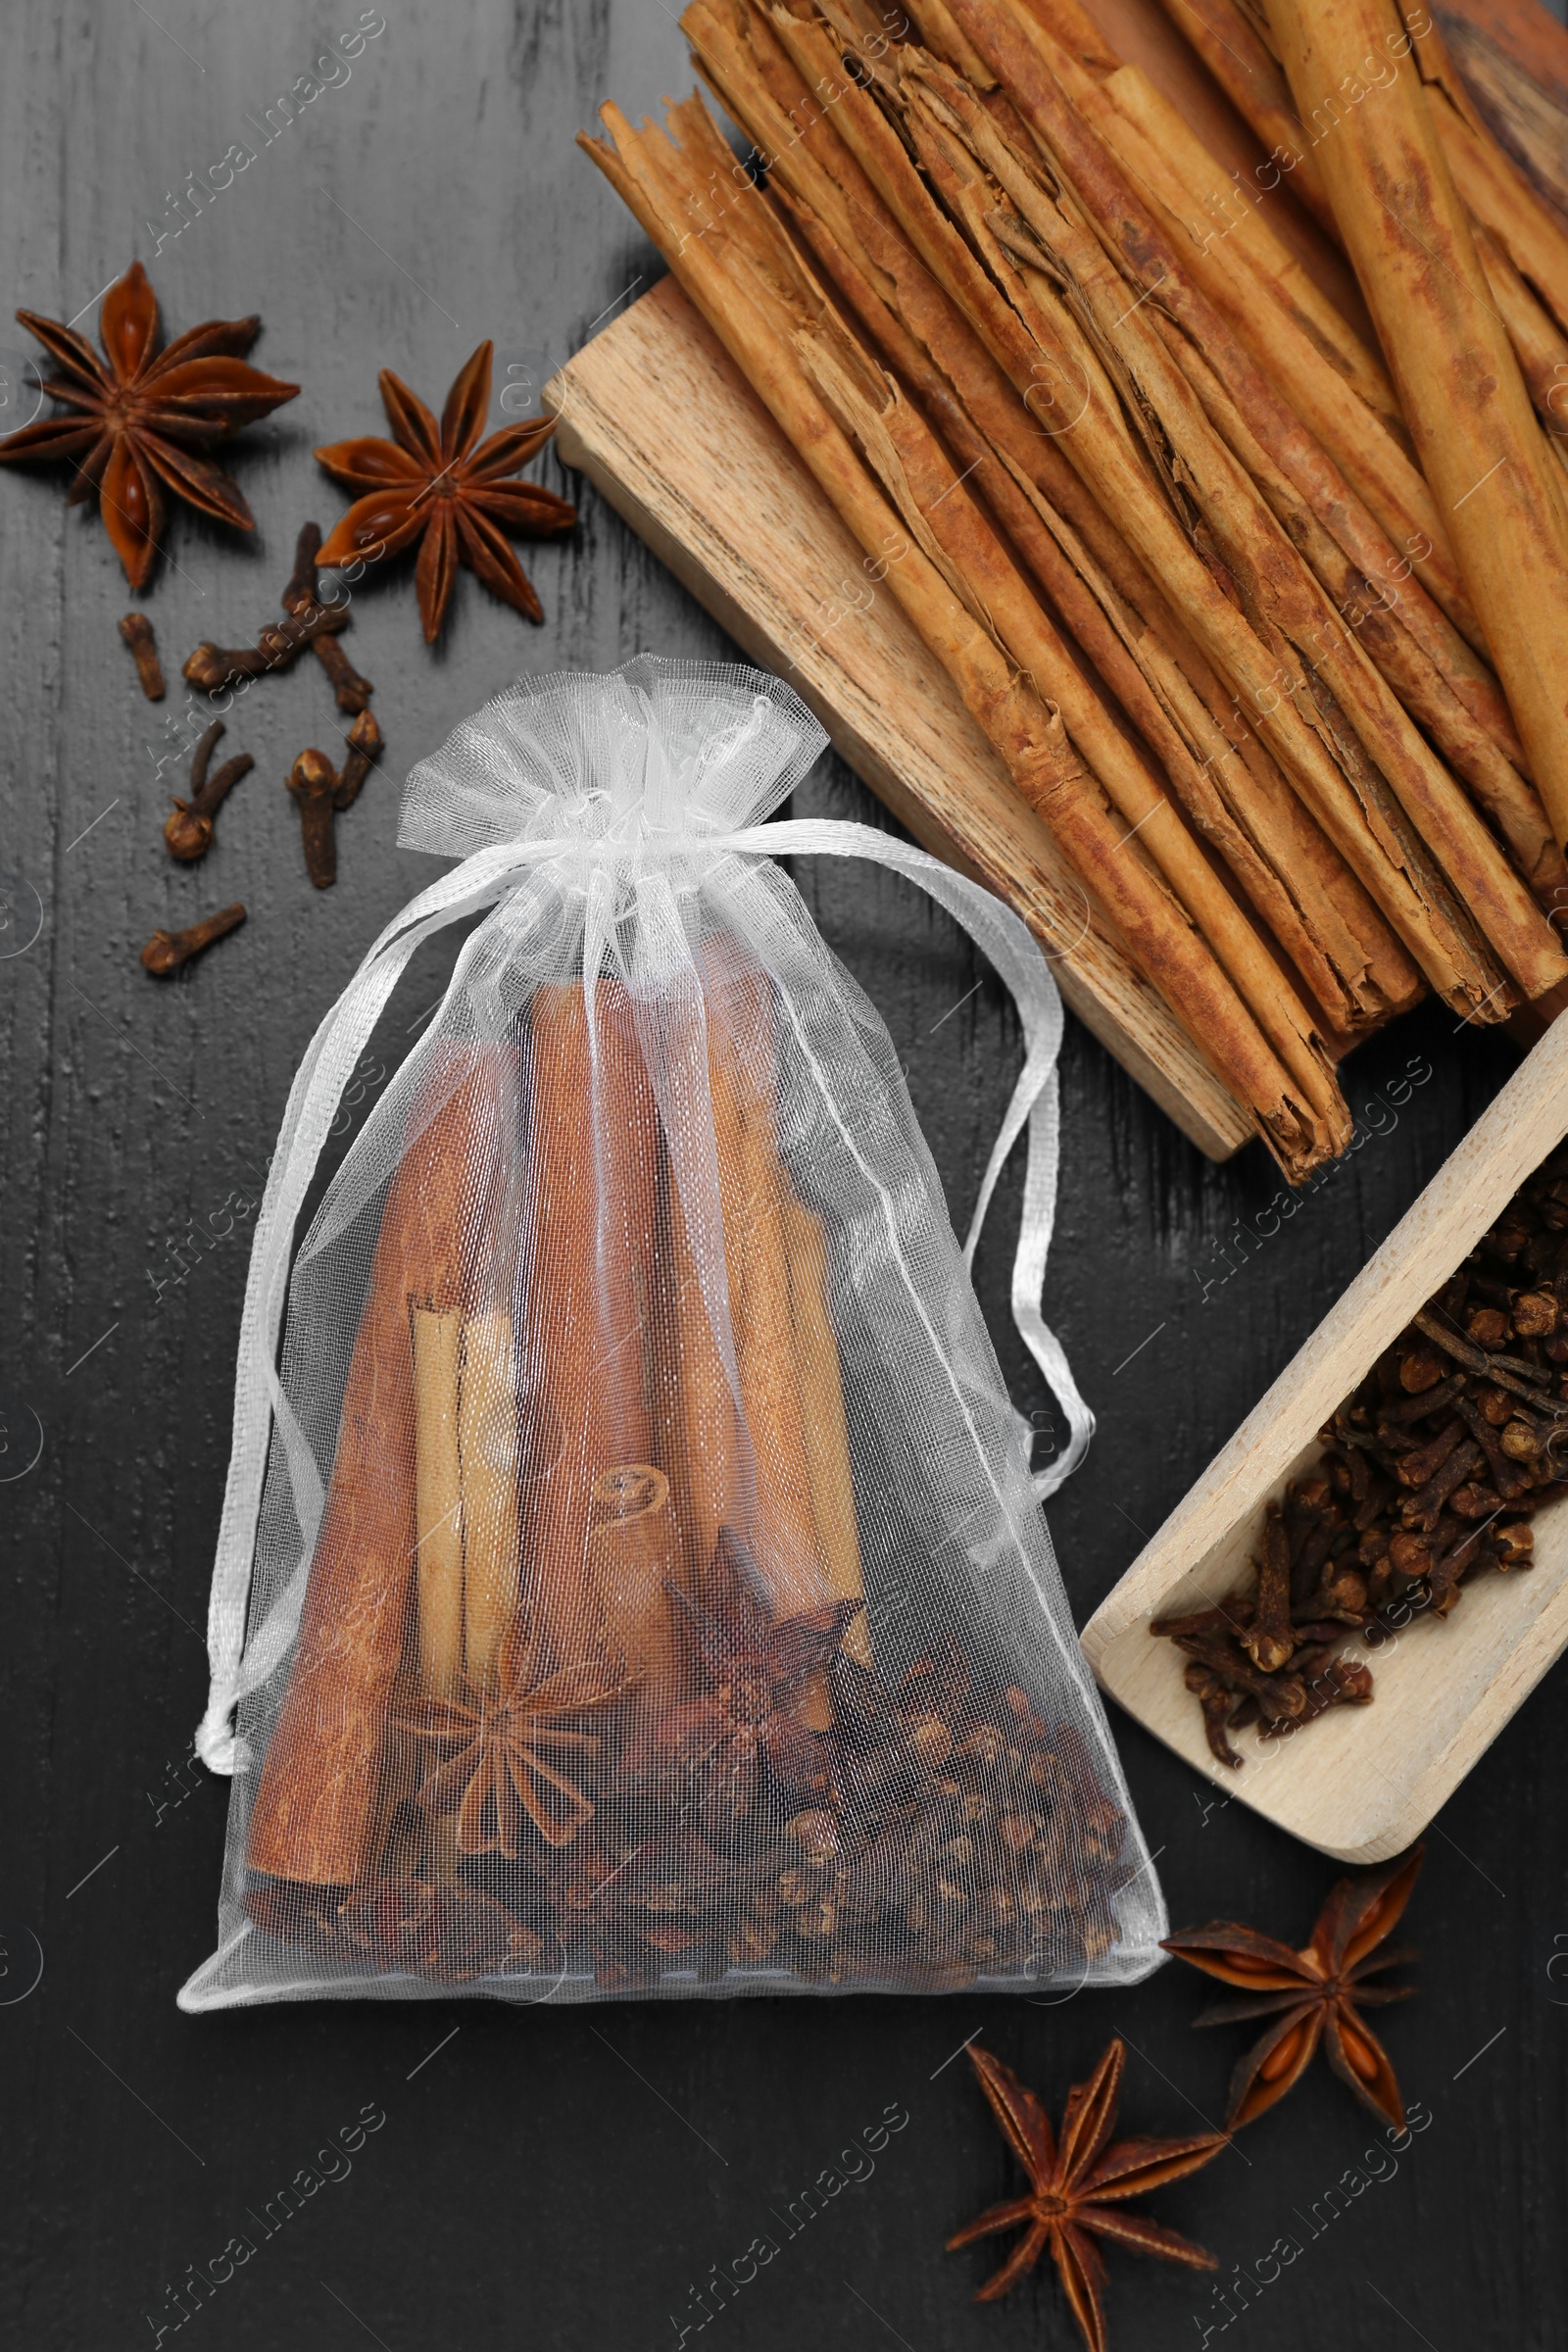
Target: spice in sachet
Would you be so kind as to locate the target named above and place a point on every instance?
(632, 1579)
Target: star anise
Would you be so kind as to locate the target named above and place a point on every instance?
(748, 1720)
(133, 426)
(430, 483)
(1077, 2183)
(494, 1748)
(1316, 1995)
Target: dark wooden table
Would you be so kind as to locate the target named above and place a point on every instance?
(568, 2179)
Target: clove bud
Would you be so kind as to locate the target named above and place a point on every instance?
(189, 832)
(366, 744)
(309, 622)
(303, 595)
(314, 782)
(166, 950)
(322, 792)
(212, 668)
(137, 631)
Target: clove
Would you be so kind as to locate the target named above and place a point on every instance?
(308, 622)
(166, 950)
(1498, 1370)
(188, 831)
(303, 595)
(366, 744)
(137, 631)
(314, 782)
(322, 792)
(1268, 1640)
(212, 668)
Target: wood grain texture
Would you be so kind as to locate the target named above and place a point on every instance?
(661, 422)
(1361, 1785)
(135, 1120)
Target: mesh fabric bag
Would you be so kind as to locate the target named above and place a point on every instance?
(631, 1578)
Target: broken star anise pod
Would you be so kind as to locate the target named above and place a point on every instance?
(135, 428)
(756, 1671)
(499, 1753)
(1077, 2185)
(430, 483)
(1313, 1995)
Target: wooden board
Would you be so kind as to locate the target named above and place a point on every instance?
(659, 419)
(1360, 1783)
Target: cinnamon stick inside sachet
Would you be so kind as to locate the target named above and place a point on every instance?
(488, 1470)
(317, 1796)
(699, 1432)
(595, 1565)
(436, 1334)
(825, 1420)
(743, 1082)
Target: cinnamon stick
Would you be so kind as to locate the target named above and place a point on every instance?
(1328, 713)
(588, 1343)
(1294, 879)
(698, 1439)
(1236, 226)
(1320, 435)
(1248, 275)
(1425, 689)
(757, 316)
(1391, 528)
(632, 1555)
(1420, 799)
(1407, 232)
(820, 1376)
(1037, 344)
(316, 1798)
(436, 1335)
(1376, 561)
(1287, 868)
(839, 184)
(906, 456)
(1540, 345)
(492, 1540)
(1249, 75)
(779, 1521)
(1495, 192)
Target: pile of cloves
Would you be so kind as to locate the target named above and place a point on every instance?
(320, 789)
(1430, 1473)
(959, 1839)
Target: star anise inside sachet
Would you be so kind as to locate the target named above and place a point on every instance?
(431, 484)
(748, 1724)
(1077, 2185)
(134, 428)
(495, 1750)
(1313, 1995)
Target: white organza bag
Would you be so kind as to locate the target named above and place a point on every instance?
(631, 1581)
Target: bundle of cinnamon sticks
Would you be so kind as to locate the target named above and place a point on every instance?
(1270, 626)
(583, 1651)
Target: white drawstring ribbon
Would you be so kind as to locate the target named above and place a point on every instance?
(335, 1050)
